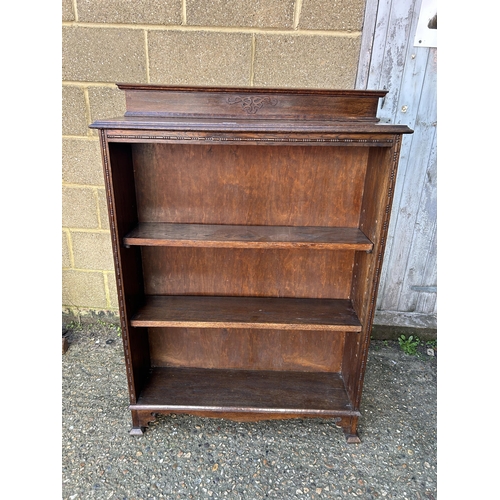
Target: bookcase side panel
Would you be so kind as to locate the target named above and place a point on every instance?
(122, 210)
(374, 222)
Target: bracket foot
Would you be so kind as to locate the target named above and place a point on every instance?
(140, 421)
(349, 425)
(137, 431)
(351, 438)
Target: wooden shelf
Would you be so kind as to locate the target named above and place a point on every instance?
(240, 236)
(247, 312)
(198, 389)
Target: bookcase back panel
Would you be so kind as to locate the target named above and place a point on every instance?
(246, 349)
(247, 272)
(242, 184)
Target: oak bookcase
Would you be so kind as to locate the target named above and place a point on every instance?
(248, 229)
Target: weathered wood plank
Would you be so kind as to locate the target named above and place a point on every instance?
(428, 301)
(367, 39)
(423, 246)
(399, 263)
(383, 11)
(409, 75)
(390, 51)
(391, 61)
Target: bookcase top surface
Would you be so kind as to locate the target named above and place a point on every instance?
(249, 109)
(249, 89)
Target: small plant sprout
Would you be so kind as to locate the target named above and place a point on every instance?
(409, 345)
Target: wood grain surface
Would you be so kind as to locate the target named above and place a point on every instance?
(240, 236)
(250, 185)
(247, 349)
(248, 312)
(232, 390)
(297, 272)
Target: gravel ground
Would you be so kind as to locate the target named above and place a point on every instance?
(184, 457)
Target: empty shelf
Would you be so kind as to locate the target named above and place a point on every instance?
(247, 312)
(198, 389)
(241, 236)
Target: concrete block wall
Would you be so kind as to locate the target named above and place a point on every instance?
(269, 43)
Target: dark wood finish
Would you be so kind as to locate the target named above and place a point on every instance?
(247, 349)
(380, 178)
(248, 229)
(344, 419)
(255, 185)
(236, 390)
(300, 273)
(230, 236)
(248, 132)
(122, 211)
(248, 312)
(213, 102)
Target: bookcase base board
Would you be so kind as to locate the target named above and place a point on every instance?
(141, 418)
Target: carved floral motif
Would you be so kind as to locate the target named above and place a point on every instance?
(252, 104)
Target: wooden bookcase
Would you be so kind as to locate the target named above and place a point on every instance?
(248, 229)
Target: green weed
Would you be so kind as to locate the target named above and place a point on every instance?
(73, 325)
(409, 345)
(432, 343)
(110, 326)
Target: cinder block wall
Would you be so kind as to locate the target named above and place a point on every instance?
(269, 43)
